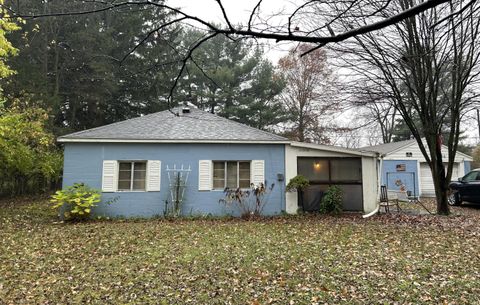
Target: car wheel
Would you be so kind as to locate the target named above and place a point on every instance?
(454, 198)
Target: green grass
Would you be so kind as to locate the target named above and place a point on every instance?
(287, 260)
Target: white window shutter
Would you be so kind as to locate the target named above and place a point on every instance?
(205, 179)
(257, 172)
(109, 176)
(154, 173)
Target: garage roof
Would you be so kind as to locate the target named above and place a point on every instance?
(355, 152)
(388, 148)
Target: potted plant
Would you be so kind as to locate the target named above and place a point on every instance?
(298, 184)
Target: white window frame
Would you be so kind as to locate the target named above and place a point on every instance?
(225, 173)
(132, 173)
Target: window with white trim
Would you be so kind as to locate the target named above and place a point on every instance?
(132, 175)
(231, 174)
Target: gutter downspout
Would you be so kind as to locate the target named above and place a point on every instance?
(379, 182)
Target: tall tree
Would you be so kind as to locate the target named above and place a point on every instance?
(309, 95)
(233, 80)
(373, 104)
(6, 48)
(305, 22)
(29, 159)
(77, 66)
(428, 71)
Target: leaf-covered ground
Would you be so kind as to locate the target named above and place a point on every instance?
(287, 260)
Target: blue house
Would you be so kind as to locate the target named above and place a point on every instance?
(402, 163)
(147, 162)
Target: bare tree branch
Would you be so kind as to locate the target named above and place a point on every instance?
(141, 42)
(184, 64)
(219, 2)
(249, 24)
(289, 36)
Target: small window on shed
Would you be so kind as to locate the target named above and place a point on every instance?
(409, 154)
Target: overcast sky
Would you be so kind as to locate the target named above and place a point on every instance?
(238, 12)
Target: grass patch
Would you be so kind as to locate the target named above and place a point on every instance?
(287, 260)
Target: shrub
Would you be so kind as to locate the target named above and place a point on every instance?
(297, 183)
(250, 201)
(76, 201)
(332, 201)
(30, 162)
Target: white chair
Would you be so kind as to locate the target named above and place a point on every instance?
(402, 196)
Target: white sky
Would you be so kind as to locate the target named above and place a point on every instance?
(238, 12)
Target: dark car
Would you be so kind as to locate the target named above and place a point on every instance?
(466, 188)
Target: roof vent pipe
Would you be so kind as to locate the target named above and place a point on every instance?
(185, 108)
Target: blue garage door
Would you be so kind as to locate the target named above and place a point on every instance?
(396, 179)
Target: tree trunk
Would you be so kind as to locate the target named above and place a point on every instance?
(441, 189)
(438, 174)
(56, 88)
(301, 130)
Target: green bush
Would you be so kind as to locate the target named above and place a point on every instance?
(297, 183)
(332, 201)
(76, 201)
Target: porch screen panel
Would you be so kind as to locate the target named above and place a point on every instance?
(346, 170)
(352, 197)
(313, 169)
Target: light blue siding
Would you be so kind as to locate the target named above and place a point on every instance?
(467, 165)
(83, 163)
(409, 177)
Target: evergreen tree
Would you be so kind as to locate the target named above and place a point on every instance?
(74, 64)
(233, 80)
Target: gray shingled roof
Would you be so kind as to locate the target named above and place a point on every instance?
(388, 147)
(163, 126)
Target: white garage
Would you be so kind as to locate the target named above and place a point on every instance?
(426, 180)
(354, 171)
(402, 165)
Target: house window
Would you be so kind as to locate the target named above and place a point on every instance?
(409, 154)
(132, 176)
(231, 174)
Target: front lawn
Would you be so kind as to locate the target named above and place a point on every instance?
(287, 260)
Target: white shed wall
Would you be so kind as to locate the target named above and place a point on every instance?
(369, 175)
(369, 183)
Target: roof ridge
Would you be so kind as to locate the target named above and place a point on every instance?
(173, 124)
(390, 143)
